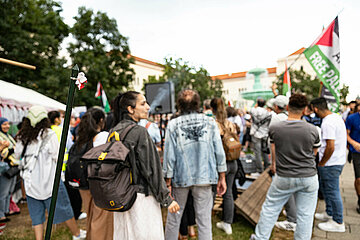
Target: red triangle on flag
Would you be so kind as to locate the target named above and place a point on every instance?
(326, 38)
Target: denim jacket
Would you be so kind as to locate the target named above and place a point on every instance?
(193, 153)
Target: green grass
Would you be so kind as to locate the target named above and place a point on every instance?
(241, 228)
(19, 228)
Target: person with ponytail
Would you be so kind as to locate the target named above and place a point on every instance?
(99, 223)
(144, 219)
(37, 148)
(218, 108)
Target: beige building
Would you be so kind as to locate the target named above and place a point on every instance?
(143, 69)
(236, 83)
(296, 62)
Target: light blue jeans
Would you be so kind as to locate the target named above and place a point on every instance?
(305, 192)
(203, 203)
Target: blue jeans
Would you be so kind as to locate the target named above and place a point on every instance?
(330, 186)
(63, 210)
(6, 188)
(305, 192)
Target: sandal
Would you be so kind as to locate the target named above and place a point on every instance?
(4, 220)
(12, 213)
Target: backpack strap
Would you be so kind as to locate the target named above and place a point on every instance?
(126, 131)
(148, 125)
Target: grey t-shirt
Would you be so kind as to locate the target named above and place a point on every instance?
(294, 143)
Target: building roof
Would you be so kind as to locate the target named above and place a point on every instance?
(300, 51)
(147, 61)
(238, 74)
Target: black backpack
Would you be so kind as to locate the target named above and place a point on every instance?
(109, 173)
(76, 170)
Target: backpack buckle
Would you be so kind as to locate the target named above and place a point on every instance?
(102, 156)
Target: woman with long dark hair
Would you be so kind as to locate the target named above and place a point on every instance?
(38, 147)
(218, 107)
(99, 223)
(143, 220)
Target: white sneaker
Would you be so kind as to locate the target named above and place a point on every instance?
(82, 216)
(252, 237)
(284, 213)
(286, 225)
(224, 226)
(322, 216)
(81, 236)
(255, 174)
(332, 226)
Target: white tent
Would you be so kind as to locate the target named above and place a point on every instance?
(16, 100)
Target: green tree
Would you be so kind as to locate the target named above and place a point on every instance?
(344, 91)
(102, 53)
(31, 32)
(185, 76)
(303, 82)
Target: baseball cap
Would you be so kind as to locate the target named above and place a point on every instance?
(270, 103)
(281, 101)
(36, 114)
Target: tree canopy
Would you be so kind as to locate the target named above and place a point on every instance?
(31, 32)
(185, 76)
(303, 82)
(102, 53)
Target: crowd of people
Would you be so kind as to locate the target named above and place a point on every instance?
(181, 163)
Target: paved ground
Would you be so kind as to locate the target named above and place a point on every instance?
(351, 217)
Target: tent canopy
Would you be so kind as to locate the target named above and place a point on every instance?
(16, 100)
(17, 96)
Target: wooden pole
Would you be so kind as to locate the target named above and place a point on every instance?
(19, 64)
(64, 134)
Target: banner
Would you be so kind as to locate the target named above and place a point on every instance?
(324, 56)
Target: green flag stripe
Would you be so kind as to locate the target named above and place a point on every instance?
(325, 70)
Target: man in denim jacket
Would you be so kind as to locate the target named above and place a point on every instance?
(194, 159)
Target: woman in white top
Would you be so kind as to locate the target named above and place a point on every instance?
(38, 147)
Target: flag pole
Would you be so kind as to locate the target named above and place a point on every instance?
(69, 104)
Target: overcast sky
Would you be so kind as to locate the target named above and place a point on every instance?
(227, 36)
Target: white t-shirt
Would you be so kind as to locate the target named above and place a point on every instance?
(237, 121)
(333, 127)
(100, 138)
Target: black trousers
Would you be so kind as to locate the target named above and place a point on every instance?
(75, 200)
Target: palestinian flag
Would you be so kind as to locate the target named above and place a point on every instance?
(286, 83)
(100, 94)
(324, 56)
